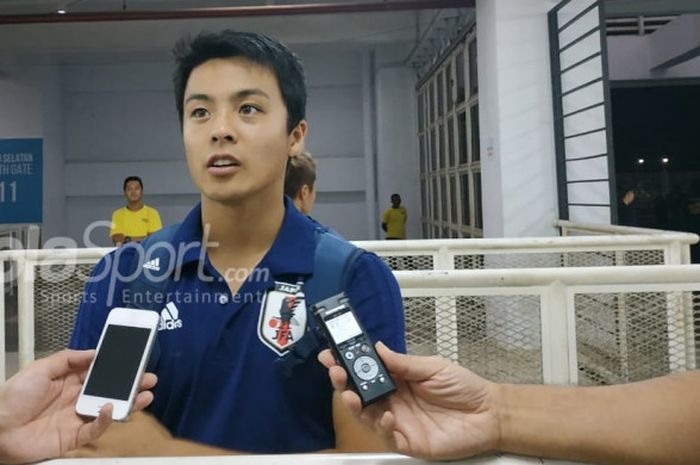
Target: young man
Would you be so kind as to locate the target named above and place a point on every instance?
(235, 309)
(300, 182)
(135, 221)
(394, 219)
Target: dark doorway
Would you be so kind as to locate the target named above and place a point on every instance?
(656, 133)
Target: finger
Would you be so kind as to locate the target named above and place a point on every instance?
(401, 443)
(386, 427)
(339, 378)
(148, 381)
(326, 358)
(65, 362)
(409, 367)
(352, 401)
(143, 400)
(96, 427)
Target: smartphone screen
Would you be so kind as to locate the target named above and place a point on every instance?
(117, 362)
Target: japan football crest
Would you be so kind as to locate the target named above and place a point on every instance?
(282, 320)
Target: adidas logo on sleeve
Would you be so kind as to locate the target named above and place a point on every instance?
(169, 318)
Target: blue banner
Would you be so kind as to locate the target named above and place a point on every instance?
(21, 180)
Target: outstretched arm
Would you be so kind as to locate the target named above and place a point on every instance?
(37, 408)
(650, 422)
(443, 411)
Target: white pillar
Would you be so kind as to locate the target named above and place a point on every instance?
(516, 118)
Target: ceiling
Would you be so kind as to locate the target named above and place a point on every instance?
(79, 38)
(14, 7)
(650, 7)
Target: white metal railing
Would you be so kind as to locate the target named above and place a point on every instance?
(676, 244)
(554, 288)
(675, 247)
(315, 459)
(557, 289)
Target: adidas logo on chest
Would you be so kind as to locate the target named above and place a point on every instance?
(169, 318)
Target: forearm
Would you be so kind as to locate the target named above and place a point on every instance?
(143, 436)
(656, 421)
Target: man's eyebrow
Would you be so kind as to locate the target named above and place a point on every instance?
(203, 97)
(249, 93)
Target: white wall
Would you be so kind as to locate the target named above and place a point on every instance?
(112, 115)
(516, 120)
(31, 108)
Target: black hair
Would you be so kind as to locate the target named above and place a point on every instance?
(132, 178)
(258, 48)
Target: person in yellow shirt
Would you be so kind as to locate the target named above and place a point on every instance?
(136, 220)
(394, 219)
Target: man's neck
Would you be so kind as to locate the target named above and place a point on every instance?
(134, 206)
(243, 229)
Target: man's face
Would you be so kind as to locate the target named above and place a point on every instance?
(308, 199)
(235, 131)
(133, 191)
(395, 201)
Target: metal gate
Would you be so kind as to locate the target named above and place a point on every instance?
(582, 119)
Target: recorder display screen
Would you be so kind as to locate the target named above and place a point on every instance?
(117, 362)
(343, 327)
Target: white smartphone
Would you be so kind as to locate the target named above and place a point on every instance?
(122, 353)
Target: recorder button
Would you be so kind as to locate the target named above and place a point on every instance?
(366, 368)
(364, 348)
(365, 387)
(349, 355)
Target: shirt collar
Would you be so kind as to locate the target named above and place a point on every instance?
(292, 251)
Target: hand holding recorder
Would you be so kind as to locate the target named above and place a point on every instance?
(439, 410)
(37, 408)
(444, 411)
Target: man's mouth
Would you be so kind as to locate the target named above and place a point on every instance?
(223, 165)
(222, 161)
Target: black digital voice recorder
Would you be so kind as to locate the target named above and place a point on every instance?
(353, 349)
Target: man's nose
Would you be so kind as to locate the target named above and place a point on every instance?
(223, 128)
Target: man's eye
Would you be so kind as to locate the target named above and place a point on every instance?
(249, 109)
(199, 113)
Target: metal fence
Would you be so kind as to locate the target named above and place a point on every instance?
(494, 320)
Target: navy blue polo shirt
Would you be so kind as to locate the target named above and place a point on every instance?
(218, 382)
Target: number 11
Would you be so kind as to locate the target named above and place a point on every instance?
(13, 187)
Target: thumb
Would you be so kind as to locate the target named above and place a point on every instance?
(94, 429)
(409, 367)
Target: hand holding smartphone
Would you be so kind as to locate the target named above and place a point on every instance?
(116, 371)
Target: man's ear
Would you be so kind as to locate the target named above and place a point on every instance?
(297, 137)
(304, 192)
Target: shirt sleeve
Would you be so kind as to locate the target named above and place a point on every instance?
(102, 293)
(154, 223)
(385, 216)
(376, 298)
(117, 223)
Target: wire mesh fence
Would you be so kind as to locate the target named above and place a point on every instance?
(58, 290)
(530, 260)
(626, 337)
